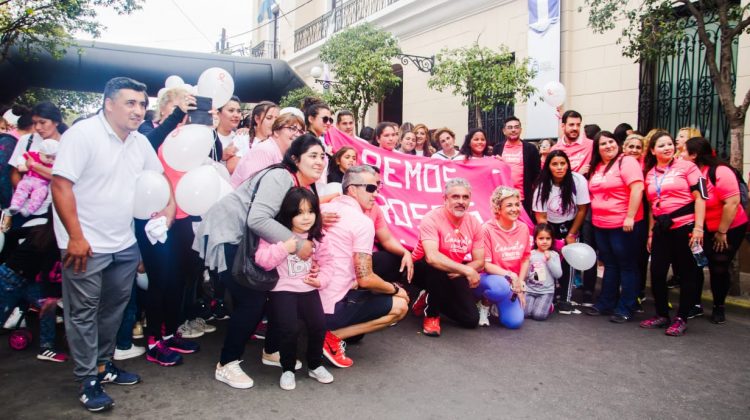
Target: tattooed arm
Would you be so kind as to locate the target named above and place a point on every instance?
(367, 279)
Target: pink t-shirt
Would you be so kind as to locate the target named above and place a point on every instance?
(35, 157)
(610, 192)
(259, 157)
(579, 152)
(355, 233)
(675, 181)
(376, 215)
(456, 244)
(173, 176)
(513, 156)
(726, 187)
(508, 249)
(292, 270)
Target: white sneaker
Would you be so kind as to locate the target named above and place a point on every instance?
(274, 359)
(132, 352)
(287, 381)
(188, 331)
(200, 324)
(233, 375)
(484, 315)
(321, 374)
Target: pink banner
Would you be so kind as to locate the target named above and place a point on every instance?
(413, 185)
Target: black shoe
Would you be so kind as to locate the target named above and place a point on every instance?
(587, 299)
(695, 312)
(638, 307)
(566, 308)
(594, 311)
(220, 312)
(619, 318)
(717, 315)
(673, 282)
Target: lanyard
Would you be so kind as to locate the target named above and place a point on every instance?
(658, 183)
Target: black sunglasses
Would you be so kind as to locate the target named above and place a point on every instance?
(327, 120)
(370, 188)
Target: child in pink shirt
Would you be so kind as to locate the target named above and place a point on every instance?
(32, 190)
(295, 297)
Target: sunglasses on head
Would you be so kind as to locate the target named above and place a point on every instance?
(327, 120)
(370, 188)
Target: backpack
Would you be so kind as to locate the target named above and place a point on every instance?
(743, 185)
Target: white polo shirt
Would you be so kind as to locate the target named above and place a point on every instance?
(103, 170)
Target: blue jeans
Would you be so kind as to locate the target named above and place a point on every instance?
(14, 289)
(497, 290)
(618, 250)
(125, 333)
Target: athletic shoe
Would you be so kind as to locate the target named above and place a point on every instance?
(484, 315)
(180, 345)
(588, 300)
(114, 375)
(260, 331)
(50, 355)
(695, 312)
(717, 315)
(594, 311)
(200, 324)
(420, 304)
(678, 327)
(202, 310)
(321, 374)
(673, 282)
(133, 352)
(619, 318)
(137, 331)
(287, 381)
(233, 375)
(655, 322)
(163, 355)
(220, 311)
(93, 397)
(565, 308)
(187, 330)
(431, 326)
(334, 349)
(274, 359)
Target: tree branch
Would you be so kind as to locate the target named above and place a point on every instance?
(705, 39)
(745, 103)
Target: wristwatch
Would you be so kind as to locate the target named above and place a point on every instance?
(396, 289)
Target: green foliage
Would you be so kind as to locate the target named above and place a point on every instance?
(297, 96)
(482, 76)
(72, 104)
(46, 25)
(361, 58)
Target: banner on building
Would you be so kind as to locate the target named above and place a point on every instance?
(544, 54)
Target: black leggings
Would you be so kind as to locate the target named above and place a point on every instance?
(719, 263)
(673, 248)
(287, 309)
(451, 297)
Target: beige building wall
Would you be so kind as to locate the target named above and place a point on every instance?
(743, 86)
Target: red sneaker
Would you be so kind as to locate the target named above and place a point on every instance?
(431, 326)
(420, 304)
(677, 328)
(334, 349)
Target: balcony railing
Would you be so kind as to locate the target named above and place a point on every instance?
(264, 49)
(337, 19)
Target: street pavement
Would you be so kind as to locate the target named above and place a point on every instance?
(569, 367)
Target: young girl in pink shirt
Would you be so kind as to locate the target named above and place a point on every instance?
(296, 296)
(507, 249)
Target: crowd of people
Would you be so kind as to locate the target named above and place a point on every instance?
(330, 261)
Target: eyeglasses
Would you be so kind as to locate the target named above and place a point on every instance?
(512, 127)
(327, 120)
(370, 188)
(295, 129)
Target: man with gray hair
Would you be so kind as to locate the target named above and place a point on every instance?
(93, 191)
(448, 259)
(355, 299)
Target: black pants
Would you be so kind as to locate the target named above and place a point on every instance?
(450, 297)
(386, 265)
(168, 266)
(287, 309)
(673, 248)
(719, 264)
(248, 310)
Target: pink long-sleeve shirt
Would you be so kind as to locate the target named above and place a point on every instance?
(292, 270)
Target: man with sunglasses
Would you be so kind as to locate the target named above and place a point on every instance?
(523, 159)
(355, 300)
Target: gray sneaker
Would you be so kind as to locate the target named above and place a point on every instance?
(200, 324)
(321, 374)
(187, 330)
(287, 381)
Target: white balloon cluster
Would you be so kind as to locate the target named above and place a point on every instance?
(554, 94)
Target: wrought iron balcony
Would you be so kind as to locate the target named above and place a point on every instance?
(337, 19)
(264, 49)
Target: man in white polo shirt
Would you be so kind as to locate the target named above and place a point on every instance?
(93, 189)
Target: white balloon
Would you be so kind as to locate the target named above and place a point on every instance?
(141, 279)
(187, 87)
(220, 169)
(579, 255)
(187, 147)
(151, 194)
(217, 84)
(331, 188)
(161, 92)
(225, 188)
(173, 82)
(198, 190)
(554, 94)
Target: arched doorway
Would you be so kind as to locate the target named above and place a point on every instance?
(392, 107)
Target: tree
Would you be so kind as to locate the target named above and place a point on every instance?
(295, 97)
(652, 30)
(46, 25)
(483, 77)
(361, 59)
(71, 103)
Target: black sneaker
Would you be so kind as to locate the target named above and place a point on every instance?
(220, 312)
(619, 318)
(114, 375)
(587, 299)
(717, 315)
(673, 282)
(566, 308)
(594, 311)
(695, 312)
(93, 397)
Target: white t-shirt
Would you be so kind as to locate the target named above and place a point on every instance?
(17, 157)
(441, 155)
(103, 170)
(553, 206)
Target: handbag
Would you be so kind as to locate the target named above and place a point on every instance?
(245, 271)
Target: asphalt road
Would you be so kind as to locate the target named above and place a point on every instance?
(569, 367)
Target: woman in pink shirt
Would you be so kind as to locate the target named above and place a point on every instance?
(616, 189)
(507, 250)
(676, 191)
(726, 220)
